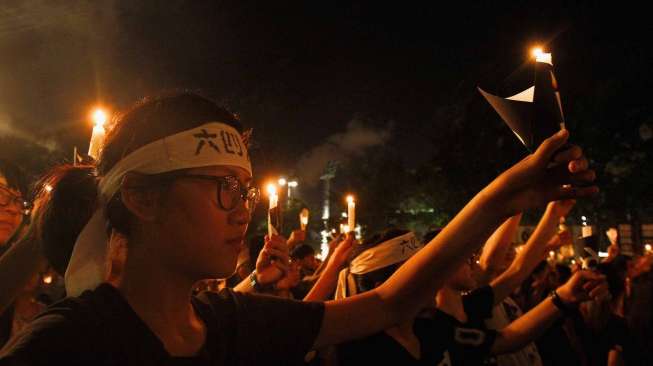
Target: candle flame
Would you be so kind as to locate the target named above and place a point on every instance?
(537, 52)
(350, 199)
(99, 117)
(648, 247)
(272, 189)
(47, 279)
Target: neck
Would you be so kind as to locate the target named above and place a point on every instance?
(450, 301)
(161, 298)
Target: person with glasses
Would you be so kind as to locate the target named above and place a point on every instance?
(174, 179)
(20, 305)
(12, 201)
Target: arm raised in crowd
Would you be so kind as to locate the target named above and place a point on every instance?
(547, 175)
(328, 279)
(533, 251)
(582, 286)
(496, 247)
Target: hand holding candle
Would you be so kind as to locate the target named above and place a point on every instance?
(351, 213)
(303, 219)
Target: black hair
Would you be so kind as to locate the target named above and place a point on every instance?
(148, 121)
(65, 200)
(15, 176)
(302, 251)
(74, 188)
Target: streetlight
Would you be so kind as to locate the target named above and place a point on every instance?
(292, 184)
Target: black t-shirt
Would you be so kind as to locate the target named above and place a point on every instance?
(100, 328)
(443, 339)
(382, 349)
(598, 343)
(465, 343)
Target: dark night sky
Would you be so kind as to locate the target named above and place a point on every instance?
(297, 72)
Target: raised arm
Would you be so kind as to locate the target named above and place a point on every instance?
(582, 286)
(327, 281)
(496, 247)
(534, 181)
(533, 251)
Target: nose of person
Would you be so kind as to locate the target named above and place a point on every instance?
(240, 215)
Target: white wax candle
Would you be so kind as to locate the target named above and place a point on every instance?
(351, 213)
(97, 140)
(303, 219)
(586, 231)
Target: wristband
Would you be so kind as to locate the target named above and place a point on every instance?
(254, 282)
(566, 309)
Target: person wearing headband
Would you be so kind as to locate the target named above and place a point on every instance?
(440, 338)
(174, 178)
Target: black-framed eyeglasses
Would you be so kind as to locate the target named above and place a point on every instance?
(230, 191)
(11, 199)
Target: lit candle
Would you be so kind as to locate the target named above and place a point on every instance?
(273, 210)
(97, 138)
(586, 231)
(303, 219)
(541, 56)
(351, 213)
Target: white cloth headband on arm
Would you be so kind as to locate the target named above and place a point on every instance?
(213, 143)
(390, 252)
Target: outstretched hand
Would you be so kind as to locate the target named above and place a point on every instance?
(582, 286)
(546, 175)
(342, 250)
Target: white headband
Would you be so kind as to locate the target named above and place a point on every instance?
(390, 252)
(213, 143)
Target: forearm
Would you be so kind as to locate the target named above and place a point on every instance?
(245, 286)
(527, 259)
(325, 285)
(17, 266)
(526, 328)
(497, 245)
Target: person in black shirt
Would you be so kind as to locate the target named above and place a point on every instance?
(455, 333)
(174, 181)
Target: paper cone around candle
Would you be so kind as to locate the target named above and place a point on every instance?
(535, 113)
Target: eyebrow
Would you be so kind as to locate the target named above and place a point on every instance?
(244, 179)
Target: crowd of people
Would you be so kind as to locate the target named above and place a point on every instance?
(141, 258)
